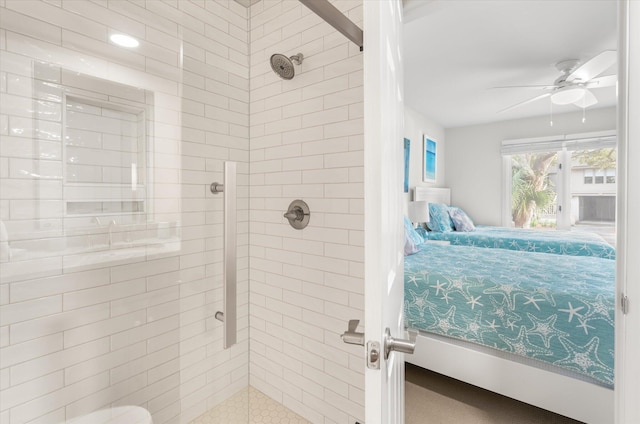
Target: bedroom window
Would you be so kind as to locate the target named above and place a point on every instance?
(533, 189)
(560, 182)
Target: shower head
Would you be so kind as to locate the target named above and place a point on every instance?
(283, 65)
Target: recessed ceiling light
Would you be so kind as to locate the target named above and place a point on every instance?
(124, 40)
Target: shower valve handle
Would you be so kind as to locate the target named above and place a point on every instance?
(298, 214)
(295, 214)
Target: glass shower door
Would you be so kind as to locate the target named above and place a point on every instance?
(111, 244)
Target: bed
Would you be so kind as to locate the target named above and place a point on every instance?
(556, 242)
(572, 243)
(533, 326)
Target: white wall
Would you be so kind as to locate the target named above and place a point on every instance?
(416, 126)
(307, 143)
(474, 164)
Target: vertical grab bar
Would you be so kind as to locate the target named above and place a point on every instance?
(229, 266)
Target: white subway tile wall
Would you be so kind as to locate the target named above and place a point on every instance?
(307, 143)
(111, 243)
(95, 314)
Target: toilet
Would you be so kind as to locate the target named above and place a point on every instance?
(117, 415)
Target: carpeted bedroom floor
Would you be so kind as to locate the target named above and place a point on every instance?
(435, 399)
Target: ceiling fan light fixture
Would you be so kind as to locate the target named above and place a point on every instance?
(567, 95)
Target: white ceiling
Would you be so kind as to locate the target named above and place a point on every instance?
(456, 51)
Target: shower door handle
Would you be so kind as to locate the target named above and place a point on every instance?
(229, 316)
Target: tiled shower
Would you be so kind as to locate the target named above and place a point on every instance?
(111, 243)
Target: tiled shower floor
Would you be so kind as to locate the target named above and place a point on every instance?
(261, 409)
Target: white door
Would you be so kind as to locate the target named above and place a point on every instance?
(384, 291)
(627, 369)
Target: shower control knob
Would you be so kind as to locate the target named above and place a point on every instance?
(298, 214)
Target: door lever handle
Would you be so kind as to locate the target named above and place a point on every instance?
(351, 336)
(399, 345)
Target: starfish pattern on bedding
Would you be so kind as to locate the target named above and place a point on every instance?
(572, 311)
(583, 358)
(598, 309)
(419, 301)
(546, 293)
(533, 301)
(445, 297)
(502, 312)
(462, 286)
(559, 293)
(583, 324)
(509, 291)
(474, 327)
(545, 328)
(444, 323)
(474, 301)
(439, 286)
(511, 325)
(522, 346)
(492, 325)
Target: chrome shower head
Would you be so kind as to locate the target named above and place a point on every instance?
(283, 65)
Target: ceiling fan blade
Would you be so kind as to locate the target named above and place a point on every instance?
(542, 96)
(593, 67)
(538, 87)
(589, 99)
(606, 81)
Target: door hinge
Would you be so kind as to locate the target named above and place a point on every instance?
(624, 304)
(559, 208)
(559, 166)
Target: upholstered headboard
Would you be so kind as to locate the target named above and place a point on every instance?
(432, 195)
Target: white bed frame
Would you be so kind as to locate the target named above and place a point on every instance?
(578, 399)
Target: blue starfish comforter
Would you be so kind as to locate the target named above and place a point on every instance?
(573, 243)
(553, 308)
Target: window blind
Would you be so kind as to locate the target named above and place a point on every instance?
(605, 139)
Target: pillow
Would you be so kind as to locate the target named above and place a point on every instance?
(461, 220)
(410, 232)
(409, 247)
(422, 232)
(439, 218)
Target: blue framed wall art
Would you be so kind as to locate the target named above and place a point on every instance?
(429, 160)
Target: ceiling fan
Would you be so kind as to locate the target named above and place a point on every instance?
(573, 86)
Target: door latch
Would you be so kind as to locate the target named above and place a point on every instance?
(373, 355)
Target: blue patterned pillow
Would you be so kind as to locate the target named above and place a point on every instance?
(422, 232)
(410, 232)
(461, 220)
(439, 218)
